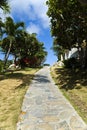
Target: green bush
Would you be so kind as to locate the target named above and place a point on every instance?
(46, 64)
(71, 63)
(9, 62)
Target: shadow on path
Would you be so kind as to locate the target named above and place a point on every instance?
(41, 79)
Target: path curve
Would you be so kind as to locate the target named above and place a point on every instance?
(45, 108)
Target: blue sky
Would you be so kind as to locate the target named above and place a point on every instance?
(33, 13)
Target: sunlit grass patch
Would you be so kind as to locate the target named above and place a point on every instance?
(12, 90)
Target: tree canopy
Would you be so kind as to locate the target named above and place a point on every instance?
(24, 46)
(11, 30)
(68, 20)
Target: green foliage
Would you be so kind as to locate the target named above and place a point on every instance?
(58, 50)
(9, 62)
(46, 64)
(24, 46)
(10, 29)
(31, 52)
(4, 5)
(71, 63)
(68, 22)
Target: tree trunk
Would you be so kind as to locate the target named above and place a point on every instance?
(85, 59)
(82, 57)
(7, 54)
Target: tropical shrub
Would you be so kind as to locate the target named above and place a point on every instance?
(71, 63)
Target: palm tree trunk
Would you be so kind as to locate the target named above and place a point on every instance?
(85, 58)
(7, 54)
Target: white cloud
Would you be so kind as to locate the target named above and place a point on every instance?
(32, 9)
(2, 14)
(32, 28)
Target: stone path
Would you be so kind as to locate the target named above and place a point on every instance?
(45, 108)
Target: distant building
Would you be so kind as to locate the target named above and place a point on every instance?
(69, 54)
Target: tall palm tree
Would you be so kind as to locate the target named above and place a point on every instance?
(11, 29)
(4, 5)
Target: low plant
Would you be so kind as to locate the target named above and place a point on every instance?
(71, 63)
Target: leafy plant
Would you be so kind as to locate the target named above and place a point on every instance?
(71, 63)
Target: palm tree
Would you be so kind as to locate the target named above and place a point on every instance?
(4, 5)
(11, 29)
(1, 28)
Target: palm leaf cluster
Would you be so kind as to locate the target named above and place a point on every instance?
(4, 5)
(24, 46)
(16, 41)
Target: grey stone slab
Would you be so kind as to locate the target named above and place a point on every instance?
(62, 126)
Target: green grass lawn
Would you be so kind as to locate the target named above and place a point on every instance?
(73, 84)
(13, 87)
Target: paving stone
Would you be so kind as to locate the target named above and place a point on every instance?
(51, 119)
(75, 123)
(62, 126)
(45, 127)
(38, 100)
(65, 115)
